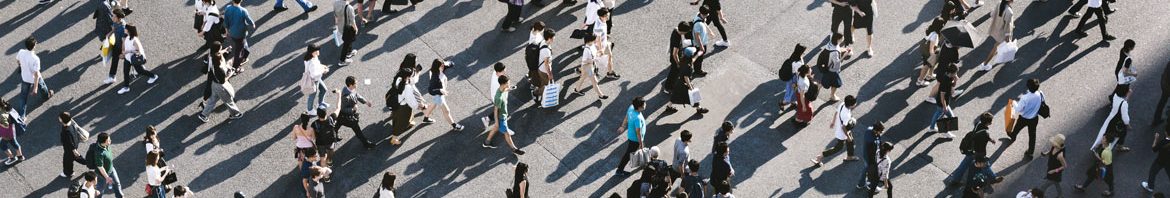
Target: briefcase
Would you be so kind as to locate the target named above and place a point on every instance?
(579, 34)
(948, 124)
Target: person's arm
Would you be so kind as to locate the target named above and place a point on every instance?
(638, 132)
(37, 83)
(698, 40)
(622, 127)
(138, 43)
(838, 3)
(362, 99)
(1060, 158)
(523, 191)
(674, 53)
(248, 20)
(836, 116)
(337, 109)
(308, 191)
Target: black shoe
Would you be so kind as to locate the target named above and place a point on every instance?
(428, 120)
(603, 97)
(700, 74)
(671, 109)
(1110, 11)
(518, 152)
(1109, 37)
(486, 145)
(280, 9)
(568, 3)
(389, 11)
(622, 173)
(702, 111)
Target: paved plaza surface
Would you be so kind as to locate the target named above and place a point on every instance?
(574, 148)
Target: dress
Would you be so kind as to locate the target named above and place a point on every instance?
(680, 90)
(804, 110)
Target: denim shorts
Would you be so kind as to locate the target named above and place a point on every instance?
(9, 144)
(439, 99)
(503, 127)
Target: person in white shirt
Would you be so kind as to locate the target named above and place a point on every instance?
(883, 167)
(604, 46)
(155, 173)
(32, 80)
(589, 60)
(386, 190)
(1094, 9)
(682, 152)
(312, 82)
(89, 187)
(841, 125)
(1117, 122)
(202, 7)
(135, 56)
(1028, 108)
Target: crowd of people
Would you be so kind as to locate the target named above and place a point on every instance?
(316, 132)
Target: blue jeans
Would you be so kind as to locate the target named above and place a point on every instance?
(938, 114)
(159, 191)
(789, 93)
(9, 145)
(117, 185)
(312, 104)
(965, 173)
(304, 4)
(25, 88)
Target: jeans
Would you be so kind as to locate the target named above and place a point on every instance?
(1101, 20)
(938, 114)
(102, 185)
(240, 52)
(1093, 175)
(25, 88)
(158, 191)
(631, 147)
(1154, 169)
(513, 16)
(789, 93)
(127, 78)
(9, 144)
(304, 4)
(964, 171)
(223, 92)
(320, 96)
(1031, 124)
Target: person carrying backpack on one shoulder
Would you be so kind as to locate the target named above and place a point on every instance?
(102, 162)
(86, 187)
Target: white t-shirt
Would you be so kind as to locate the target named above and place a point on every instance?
(1094, 3)
(545, 57)
(495, 87)
(385, 193)
(29, 64)
(208, 20)
(132, 48)
(591, 7)
(154, 175)
(802, 84)
(843, 117)
(588, 55)
(681, 153)
(1119, 105)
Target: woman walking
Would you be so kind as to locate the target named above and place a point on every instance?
(682, 84)
(1056, 165)
(303, 137)
(312, 82)
(1001, 30)
(439, 92)
(804, 110)
(519, 182)
(589, 60)
(155, 174)
(135, 57)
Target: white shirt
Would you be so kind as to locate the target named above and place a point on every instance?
(150, 147)
(588, 55)
(30, 64)
(884, 168)
(154, 175)
(932, 37)
(682, 153)
(844, 114)
(802, 84)
(1119, 104)
(495, 87)
(591, 8)
(203, 8)
(385, 193)
(314, 71)
(134, 47)
(1095, 3)
(1029, 100)
(208, 20)
(535, 37)
(545, 58)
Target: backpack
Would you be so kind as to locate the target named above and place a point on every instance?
(823, 58)
(532, 55)
(967, 145)
(326, 135)
(924, 48)
(396, 88)
(814, 89)
(90, 161)
(786, 70)
(79, 134)
(217, 31)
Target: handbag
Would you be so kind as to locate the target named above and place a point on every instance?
(948, 124)
(552, 95)
(1006, 52)
(694, 95)
(170, 178)
(1009, 115)
(1044, 111)
(138, 59)
(577, 34)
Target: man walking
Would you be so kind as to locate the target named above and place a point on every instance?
(71, 135)
(500, 103)
(635, 127)
(869, 146)
(1095, 9)
(223, 90)
(513, 17)
(974, 148)
(239, 23)
(1161, 163)
(347, 114)
(1163, 97)
(716, 18)
(30, 74)
(842, 125)
(346, 24)
(103, 162)
(1028, 108)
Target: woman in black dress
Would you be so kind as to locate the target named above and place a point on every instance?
(682, 82)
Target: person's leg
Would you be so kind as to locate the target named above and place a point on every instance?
(511, 16)
(508, 138)
(310, 106)
(1161, 107)
(714, 19)
(938, 112)
(631, 147)
(1017, 128)
(1076, 7)
(837, 19)
(698, 64)
(447, 112)
(306, 4)
(849, 148)
(229, 98)
(1031, 123)
(1109, 177)
(848, 31)
(67, 163)
(22, 99)
(117, 183)
(141, 71)
(837, 146)
(593, 80)
(321, 91)
(347, 38)
(126, 75)
(115, 59)
(357, 131)
(991, 55)
(1153, 173)
(210, 103)
(1101, 20)
(1080, 25)
(889, 188)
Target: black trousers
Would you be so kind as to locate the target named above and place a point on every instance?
(843, 19)
(1101, 20)
(1031, 124)
(698, 64)
(115, 55)
(68, 158)
(513, 16)
(1161, 105)
(1154, 169)
(1092, 175)
(631, 147)
(713, 19)
(357, 128)
(1081, 4)
(127, 78)
(837, 146)
(347, 37)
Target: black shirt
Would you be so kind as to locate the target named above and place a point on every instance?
(67, 140)
(865, 6)
(720, 170)
(1163, 149)
(218, 75)
(946, 89)
(326, 130)
(675, 44)
(980, 141)
(713, 4)
(946, 55)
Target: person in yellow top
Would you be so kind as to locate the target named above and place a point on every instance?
(1104, 168)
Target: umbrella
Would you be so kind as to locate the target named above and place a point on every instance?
(961, 34)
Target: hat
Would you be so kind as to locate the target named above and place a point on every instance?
(1057, 140)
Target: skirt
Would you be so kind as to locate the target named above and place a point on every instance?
(831, 80)
(679, 93)
(402, 117)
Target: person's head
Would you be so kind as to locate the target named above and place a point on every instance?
(237, 2)
(723, 187)
(151, 135)
(693, 167)
(5, 106)
(850, 101)
(499, 68)
(118, 15)
(886, 147)
(836, 39)
(683, 27)
(727, 127)
(30, 43)
(985, 119)
(797, 53)
(685, 136)
(310, 154)
(316, 172)
(132, 31)
(935, 25)
(721, 149)
(217, 51)
(303, 120)
(182, 192)
(388, 180)
(1128, 46)
(879, 128)
(549, 35)
(603, 14)
(65, 118)
(1123, 91)
(639, 104)
(1057, 141)
(437, 66)
(321, 114)
(704, 11)
(681, 195)
(103, 139)
(90, 178)
(589, 39)
(350, 82)
(521, 172)
(311, 51)
(538, 26)
(152, 158)
(503, 83)
(410, 61)
(804, 70)
(1033, 85)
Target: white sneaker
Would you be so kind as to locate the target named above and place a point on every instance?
(123, 90)
(723, 43)
(983, 67)
(1146, 186)
(152, 79)
(930, 100)
(949, 135)
(109, 80)
(67, 176)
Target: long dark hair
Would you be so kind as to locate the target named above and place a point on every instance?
(309, 51)
(1003, 5)
(304, 120)
(388, 180)
(521, 173)
(132, 32)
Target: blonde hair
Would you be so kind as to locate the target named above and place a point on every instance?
(1057, 141)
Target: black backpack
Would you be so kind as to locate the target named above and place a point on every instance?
(967, 145)
(786, 72)
(217, 31)
(90, 160)
(326, 134)
(532, 55)
(823, 58)
(814, 89)
(924, 48)
(76, 187)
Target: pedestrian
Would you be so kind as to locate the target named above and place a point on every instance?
(217, 58)
(239, 23)
(499, 69)
(804, 110)
(1161, 162)
(1028, 107)
(536, 34)
(313, 82)
(721, 168)
(677, 36)
(863, 18)
(71, 136)
(409, 97)
(832, 79)
(183, 192)
(1103, 166)
(723, 189)
(591, 14)
(1124, 72)
(842, 17)
(306, 171)
(105, 22)
(701, 35)
(500, 109)
(1117, 122)
(693, 184)
(135, 56)
(210, 28)
(150, 141)
(929, 48)
(682, 152)
(871, 141)
(519, 182)
(325, 130)
(683, 84)
(634, 126)
(102, 160)
(18, 122)
(1074, 10)
(883, 170)
(386, 190)
(202, 8)
(1002, 25)
(515, 8)
(723, 134)
(347, 113)
(590, 59)
(974, 148)
(946, 90)
(439, 91)
(604, 44)
(317, 173)
(32, 80)
(221, 90)
(345, 19)
(8, 141)
(303, 137)
(538, 57)
(1095, 8)
(155, 174)
(716, 18)
(787, 73)
(1056, 165)
(842, 126)
(88, 188)
(305, 4)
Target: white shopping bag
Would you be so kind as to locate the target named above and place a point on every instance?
(641, 157)
(1006, 52)
(552, 95)
(695, 96)
(337, 37)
